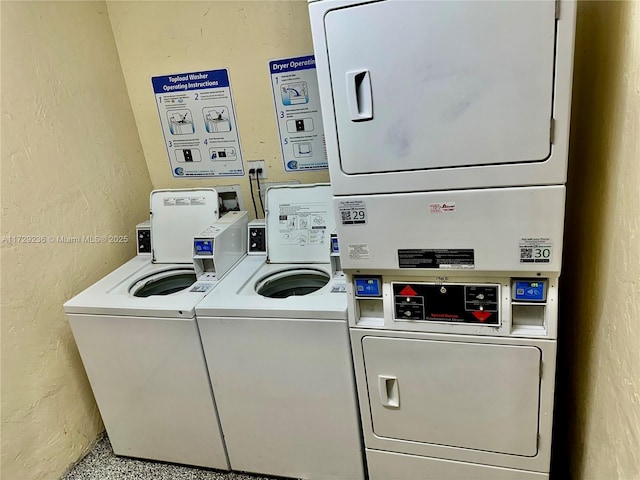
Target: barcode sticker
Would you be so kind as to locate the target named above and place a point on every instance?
(353, 212)
(536, 250)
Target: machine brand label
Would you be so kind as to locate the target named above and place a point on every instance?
(447, 207)
(184, 201)
(353, 212)
(535, 250)
(437, 258)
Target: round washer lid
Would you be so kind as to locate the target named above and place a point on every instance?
(176, 217)
(299, 221)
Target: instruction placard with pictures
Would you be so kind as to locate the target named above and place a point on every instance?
(297, 104)
(199, 125)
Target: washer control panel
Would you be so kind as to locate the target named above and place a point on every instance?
(450, 303)
(257, 238)
(143, 237)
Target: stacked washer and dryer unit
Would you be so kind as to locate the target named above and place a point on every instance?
(447, 129)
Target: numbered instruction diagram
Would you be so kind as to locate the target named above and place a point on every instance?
(302, 224)
(199, 124)
(295, 94)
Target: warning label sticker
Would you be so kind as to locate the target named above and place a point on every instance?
(358, 251)
(535, 250)
(438, 258)
(353, 212)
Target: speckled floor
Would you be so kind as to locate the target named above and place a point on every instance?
(101, 464)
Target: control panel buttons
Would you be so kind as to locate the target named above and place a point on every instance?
(450, 303)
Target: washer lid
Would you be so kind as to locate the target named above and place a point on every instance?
(176, 217)
(299, 221)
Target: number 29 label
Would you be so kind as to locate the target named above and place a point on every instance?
(353, 212)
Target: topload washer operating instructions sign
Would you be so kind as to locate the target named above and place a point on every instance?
(199, 124)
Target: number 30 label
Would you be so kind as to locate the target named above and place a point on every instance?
(535, 250)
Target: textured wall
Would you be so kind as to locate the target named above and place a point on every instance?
(160, 38)
(72, 165)
(599, 407)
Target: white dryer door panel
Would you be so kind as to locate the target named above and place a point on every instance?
(468, 395)
(427, 85)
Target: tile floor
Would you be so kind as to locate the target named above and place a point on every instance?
(101, 464)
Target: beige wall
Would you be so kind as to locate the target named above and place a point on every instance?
(601, 276)
(160, 38)
(72, 165)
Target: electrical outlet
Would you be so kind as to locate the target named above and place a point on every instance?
(256, 164)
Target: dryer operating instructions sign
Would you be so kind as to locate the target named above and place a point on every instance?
(297, 101)
(199, 124)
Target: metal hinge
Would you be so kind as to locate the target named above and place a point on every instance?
(557, 9)
(552, 130)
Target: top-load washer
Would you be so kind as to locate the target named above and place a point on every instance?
(139, 342)
(276, 342)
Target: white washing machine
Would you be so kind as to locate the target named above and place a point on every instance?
(276, 342)
(139, 342)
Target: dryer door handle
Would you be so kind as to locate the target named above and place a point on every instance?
(388, 390)
(359, 97)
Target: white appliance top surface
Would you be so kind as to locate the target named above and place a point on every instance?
(176, 217)
(299, 223)
(110, 296)
(235, 296)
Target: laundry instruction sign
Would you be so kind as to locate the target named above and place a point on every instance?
(199, 125)
(297, 103)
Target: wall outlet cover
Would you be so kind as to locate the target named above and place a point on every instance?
(258, 164)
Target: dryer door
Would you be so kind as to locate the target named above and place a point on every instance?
(428, 85)
(468, 395)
